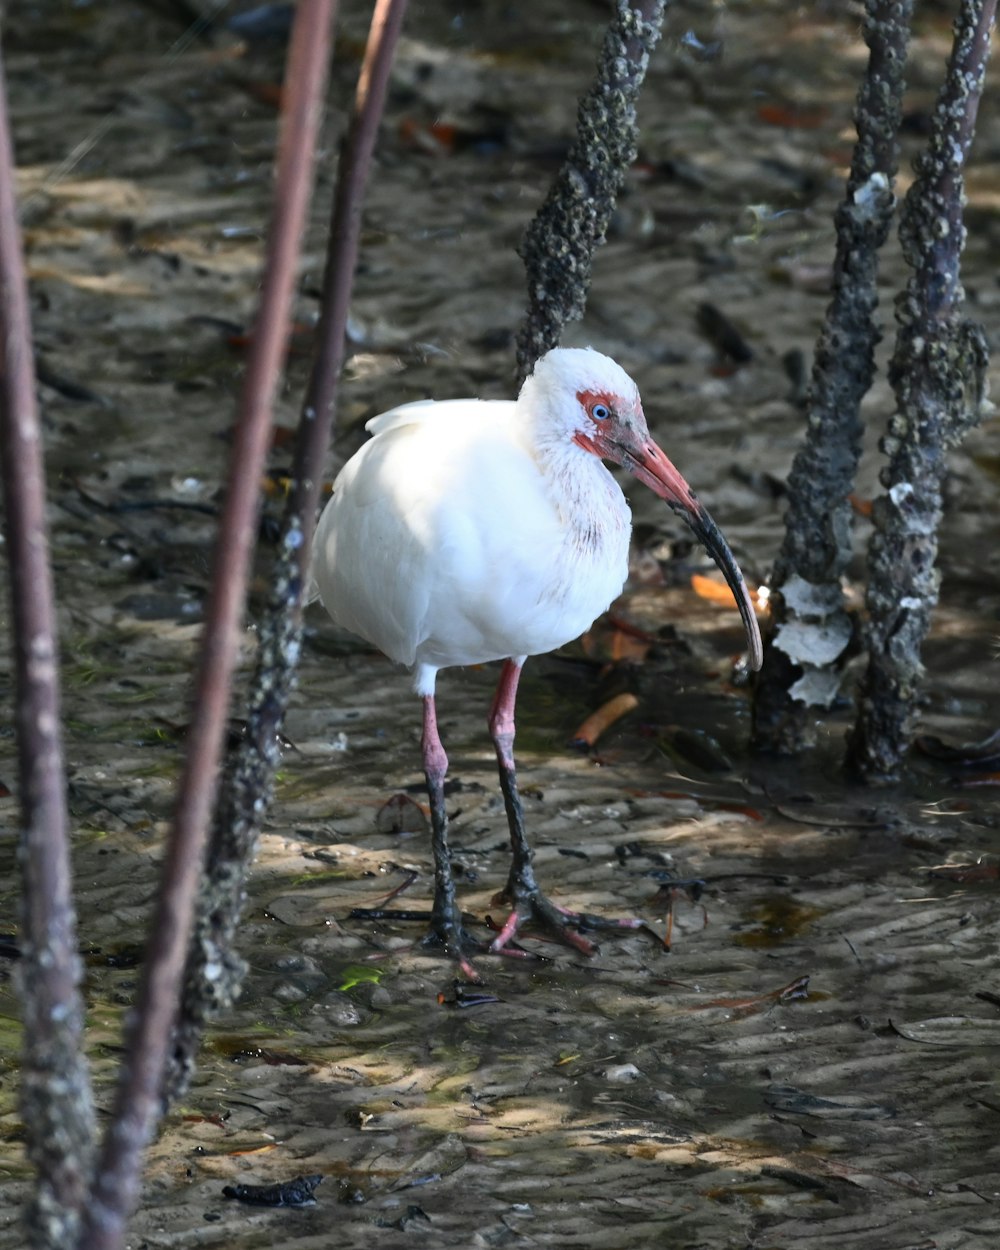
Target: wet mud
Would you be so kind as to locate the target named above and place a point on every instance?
(813, 1060)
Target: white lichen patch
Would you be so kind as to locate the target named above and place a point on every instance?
(814, 643)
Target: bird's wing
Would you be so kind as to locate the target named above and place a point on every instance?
(421, 410)
(413, 552)
(376, 558)
(362, 543)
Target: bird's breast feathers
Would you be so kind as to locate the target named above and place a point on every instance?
(446, 541)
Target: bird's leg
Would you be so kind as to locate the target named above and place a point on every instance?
(446, 918)
(522, 892)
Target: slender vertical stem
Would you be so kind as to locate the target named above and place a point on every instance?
(138, 1100)
(55, 1091)
(247, 788)
(341, 262)
(559, 244)
(937, 373)
(810, 630)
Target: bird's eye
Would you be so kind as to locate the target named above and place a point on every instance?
(600, 412)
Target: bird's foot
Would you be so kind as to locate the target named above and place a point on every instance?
(449, 935)
(446, 933)
(531, 907)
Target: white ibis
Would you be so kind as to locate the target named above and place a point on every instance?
(472, 530)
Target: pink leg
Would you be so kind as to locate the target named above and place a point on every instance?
(446, 918)
(522, 892)
(435, 760)
(501, 720)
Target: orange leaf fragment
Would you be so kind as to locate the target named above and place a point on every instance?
(299, 342)
(625, 646)
(627, 627)
(267, 93)
(715, 592)
(791, 116)
(613, 641)
(605, 716)
(981, 779)
(283, 437)
(436, 138)
(275, 485)
(218, 1121)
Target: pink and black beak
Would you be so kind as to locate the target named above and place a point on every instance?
(634, 450)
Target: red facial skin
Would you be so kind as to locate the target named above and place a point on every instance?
(625, 440)
(615, 438)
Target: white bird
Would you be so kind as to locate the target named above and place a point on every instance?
(472, 530)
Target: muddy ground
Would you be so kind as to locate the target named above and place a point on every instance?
(705, 1097)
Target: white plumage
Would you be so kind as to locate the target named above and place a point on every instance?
(472, 530)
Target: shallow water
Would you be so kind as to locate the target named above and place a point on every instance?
(692, 1096)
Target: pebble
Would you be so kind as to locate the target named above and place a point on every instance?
(622, 1073)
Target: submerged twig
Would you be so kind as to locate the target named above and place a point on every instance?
(55, 1087)
(810, 630)
(559, 244)
(215, 970)
(938, 375)
(138, 1099)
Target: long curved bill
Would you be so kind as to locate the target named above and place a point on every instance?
(652, 467)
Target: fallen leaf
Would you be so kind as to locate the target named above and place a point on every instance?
(963, 873)
(715, 592)
(971, 754)
(401, 814)
(605, 716)
(792, 116)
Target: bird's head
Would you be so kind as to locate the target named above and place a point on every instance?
(596, 405)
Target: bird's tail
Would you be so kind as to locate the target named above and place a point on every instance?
(311, 592)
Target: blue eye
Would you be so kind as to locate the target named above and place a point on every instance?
(600, 412)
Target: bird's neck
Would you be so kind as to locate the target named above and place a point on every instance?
(589, 500)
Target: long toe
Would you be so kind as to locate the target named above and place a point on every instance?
(534, 910)
(449, 933)
(531, 909)
(445, 933)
